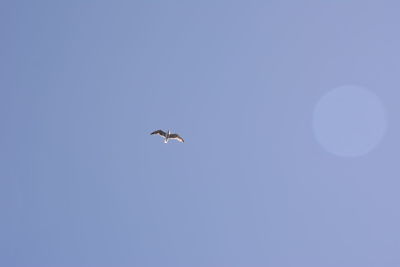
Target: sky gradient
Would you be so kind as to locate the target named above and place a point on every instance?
(83, 83)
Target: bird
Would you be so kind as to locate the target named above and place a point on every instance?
(168, 135)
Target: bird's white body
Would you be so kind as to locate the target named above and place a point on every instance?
(167, 137)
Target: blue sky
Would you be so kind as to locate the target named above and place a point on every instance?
(83, 83)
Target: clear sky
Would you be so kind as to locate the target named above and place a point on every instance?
(289, 109)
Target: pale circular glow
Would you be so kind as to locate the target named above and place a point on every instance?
(349, 121)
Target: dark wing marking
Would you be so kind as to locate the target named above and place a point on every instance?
(177, 137)
(159, 132)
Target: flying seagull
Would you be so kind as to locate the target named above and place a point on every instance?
(168, 136)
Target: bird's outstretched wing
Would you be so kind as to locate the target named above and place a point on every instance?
(177, 137)
(159, 132)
